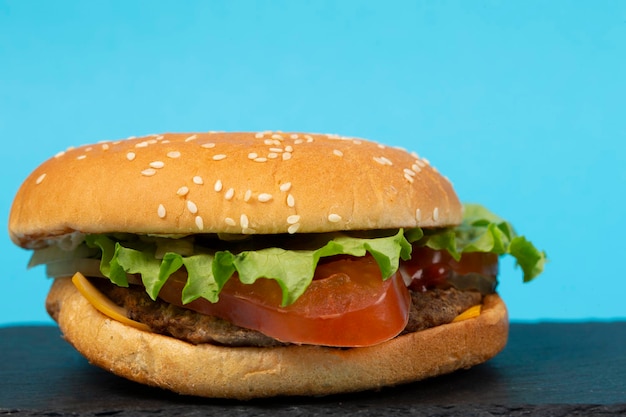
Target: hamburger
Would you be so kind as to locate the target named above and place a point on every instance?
(247, 265)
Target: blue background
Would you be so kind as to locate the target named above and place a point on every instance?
(520, 103)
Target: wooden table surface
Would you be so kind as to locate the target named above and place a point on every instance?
(546, 369)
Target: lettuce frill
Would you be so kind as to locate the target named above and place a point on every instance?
(155, 259)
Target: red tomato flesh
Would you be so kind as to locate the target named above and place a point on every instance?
(347, 305)
(429, 268)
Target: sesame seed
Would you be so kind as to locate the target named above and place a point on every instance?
(260, 159)
(208, 145)
(272, 155)
(308, 138)
(416, 168)
(426, 161)
(420, 163)
(243, 221)
(199, 222)
(291, 201)
(40, 179)
(259, 135)
(293, 228)
(79, 157)
(285, 187)
(264, 197)
(279, 150)
(382, 160)
(247, 196)
(334, 218)
(148, 172)
(152, 141)
(298, 141)
(159, 137)
(191, 206)
(229, 221)
(59, 154)
(337, 152)
(161, 211)
(157, 164)
(418, 215)
(288, 148)
(173, 154)
(277, 137)
(357, 142)
(408, 178)
(165, 141)
(218, 186)
(286, 156)
(141, 145)
(253, 155)
(105, 146)
(182, 191)
(190, 138)
(230, 193)
(294, 136)
(130, 156)
(268, 142)
(198, 180)
(219, 157)
(294, 218)
(381, 146)
(89, 149)
(436, 214)
(409, 172)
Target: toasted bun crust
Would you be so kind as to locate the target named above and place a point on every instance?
(245, 373)
(261, 183)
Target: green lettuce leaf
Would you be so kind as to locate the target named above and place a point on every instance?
(155, 259)
(483, 231)
(293, 270)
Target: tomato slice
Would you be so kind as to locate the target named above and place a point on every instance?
(347, 305)
(429, 268)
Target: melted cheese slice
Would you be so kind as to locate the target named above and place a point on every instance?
(470, 313)
(104, 304)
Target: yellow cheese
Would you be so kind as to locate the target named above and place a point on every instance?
(103, 304)
(470, 313)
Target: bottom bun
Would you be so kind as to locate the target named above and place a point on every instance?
(248, 372)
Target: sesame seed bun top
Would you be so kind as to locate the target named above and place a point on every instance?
(257, 183)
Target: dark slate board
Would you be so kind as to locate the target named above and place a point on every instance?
(546, 369)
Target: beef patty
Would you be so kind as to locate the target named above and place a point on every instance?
(428, 309)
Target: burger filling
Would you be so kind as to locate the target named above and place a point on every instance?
(338, 289)
(428, 309)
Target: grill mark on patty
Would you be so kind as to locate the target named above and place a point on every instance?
(428, 309)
